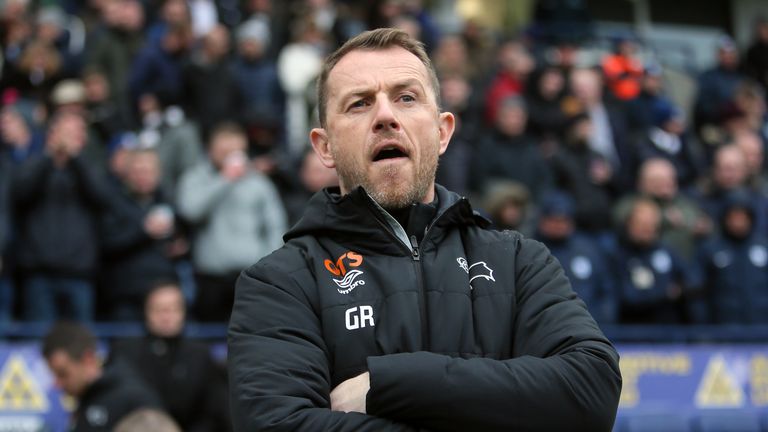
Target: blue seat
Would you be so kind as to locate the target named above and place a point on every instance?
(728, 421)
(667, 422)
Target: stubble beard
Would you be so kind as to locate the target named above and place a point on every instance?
(391, 192)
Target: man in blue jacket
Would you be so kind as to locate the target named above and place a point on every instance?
(391, 307)
(735, 265)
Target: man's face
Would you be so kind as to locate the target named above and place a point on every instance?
(383, 129)
(144, 173)
(165, 312)
(643, 225)
(730, 168)
(70, 375)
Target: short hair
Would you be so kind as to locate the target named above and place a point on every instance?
(161, 284)
(147, 419)
(227, 127)
(73, 338)
(373, 40)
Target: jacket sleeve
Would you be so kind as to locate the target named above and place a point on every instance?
(29, 180)
(278, 363)
(563, 374)
(273, 215)
(199, 193)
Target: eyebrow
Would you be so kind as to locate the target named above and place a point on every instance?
(363, 92)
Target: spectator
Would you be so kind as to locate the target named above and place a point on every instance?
(545, 95)
(735, 266)
(581, 259)
(623, 69)
(104, 395)
(145, 419)
(652, 280)
(683, 223)
(509, 153)
(508, 205)
(730, 172)
(38, 69)
(257, 80)
(717, 85)
(114, 49)
(586, 175)
(640, 109)
(175, 138)
(69, 96)
(313, 177)
(16, 32)
(298, 66)
(667, 138)
(452, 59)
(173, 13)
(140, 238)
(515, 63)
(237, 215)
(756, 58)
(609, 127)
(454, 167)
(53, 191)
(65, 33)
(205, 103)
(106, 117)
(157, 68)
(181, 371)
(754, 152)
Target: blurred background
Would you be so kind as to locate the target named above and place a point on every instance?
(152, 149)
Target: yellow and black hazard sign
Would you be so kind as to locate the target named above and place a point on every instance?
(19, 390)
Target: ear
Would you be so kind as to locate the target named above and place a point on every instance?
(447, 124)
(319, 139)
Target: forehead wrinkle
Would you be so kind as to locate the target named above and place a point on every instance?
(386, 69)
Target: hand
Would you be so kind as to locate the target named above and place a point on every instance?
(158, 225)
(600, 172)
(235, 166)
(350, 395)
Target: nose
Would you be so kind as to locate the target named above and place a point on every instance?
(385, 117)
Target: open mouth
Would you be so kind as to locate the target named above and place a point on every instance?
(389, 153)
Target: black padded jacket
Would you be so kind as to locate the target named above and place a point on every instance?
(471, 329)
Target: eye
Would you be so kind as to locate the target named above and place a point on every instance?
(407, 98)
(360, 103)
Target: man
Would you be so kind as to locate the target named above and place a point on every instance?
(58, 199)
(683, 223)
(104, 396)
(390, 307)
(237, 215)
(509, 153)
(139, 237)
(735, 265)
(583, 261)
(179, 370)
(654, 285)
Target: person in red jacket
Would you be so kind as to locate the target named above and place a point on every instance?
(623, 70)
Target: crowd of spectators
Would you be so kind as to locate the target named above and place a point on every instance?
(146, 140)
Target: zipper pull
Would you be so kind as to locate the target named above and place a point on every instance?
(415, 248)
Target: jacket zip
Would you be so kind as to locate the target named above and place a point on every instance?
(416, 255)
(413, 248)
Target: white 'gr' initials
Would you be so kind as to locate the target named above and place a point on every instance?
(358, 317)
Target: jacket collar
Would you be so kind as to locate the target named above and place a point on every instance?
(358, 217)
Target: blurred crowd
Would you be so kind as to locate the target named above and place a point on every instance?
(156, 140)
